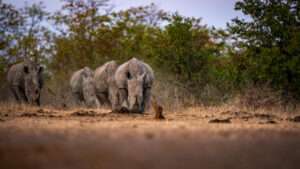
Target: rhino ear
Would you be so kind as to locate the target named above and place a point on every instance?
(26, 69)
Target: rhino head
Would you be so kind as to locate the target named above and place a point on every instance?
(32, 80)
(136, 94)
(89, 92)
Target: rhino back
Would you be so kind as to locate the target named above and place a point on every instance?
(104, 75)
(76, 81)
(15, 75)
(121, 75)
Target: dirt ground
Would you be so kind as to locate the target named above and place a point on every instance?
(200, 137)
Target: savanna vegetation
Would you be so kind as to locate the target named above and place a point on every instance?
(247, 73)
(258, 58)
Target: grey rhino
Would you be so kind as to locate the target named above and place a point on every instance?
(83, 87)
(105, 83)
(26, 81)
(134, 80)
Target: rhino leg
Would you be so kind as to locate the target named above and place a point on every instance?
(16, 96)
(122, 95)
(38, 101)
(102, 97)
(114, 102)
(78, 98)
(19, 94)
(123, 101)
(115, 107)
(113, 98)
(147, 96)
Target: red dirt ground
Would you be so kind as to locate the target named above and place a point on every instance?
(34, 138)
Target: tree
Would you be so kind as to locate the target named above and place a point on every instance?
(135, 30)
(184, 47)
(32, 42)
(10, 22)
(270, 41)
(90, 33)
(78, 23)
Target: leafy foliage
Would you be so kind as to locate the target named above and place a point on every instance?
(271, 41)
(207, 63)
(10, 21)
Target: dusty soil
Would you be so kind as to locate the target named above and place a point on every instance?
(47, 138)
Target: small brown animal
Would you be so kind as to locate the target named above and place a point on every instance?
(158, 109)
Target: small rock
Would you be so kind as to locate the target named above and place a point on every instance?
(206, 116)
(149, 135)
(54, 116)
(121, 111)
(235, 113)
(3, 114)
(268, 122)
(220, 120)
(41, 111)
(29, 115)
(263, 116)
(295, 119)
(84, 113)
(226, 112)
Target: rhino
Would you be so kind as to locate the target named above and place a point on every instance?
(25, 80)
(83, 87)
(134, 80)
(105, 83)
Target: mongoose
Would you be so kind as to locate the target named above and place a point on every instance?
(158, 109)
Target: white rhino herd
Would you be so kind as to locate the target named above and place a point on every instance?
(126, 88)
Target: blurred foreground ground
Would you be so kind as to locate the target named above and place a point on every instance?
(45, 138)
